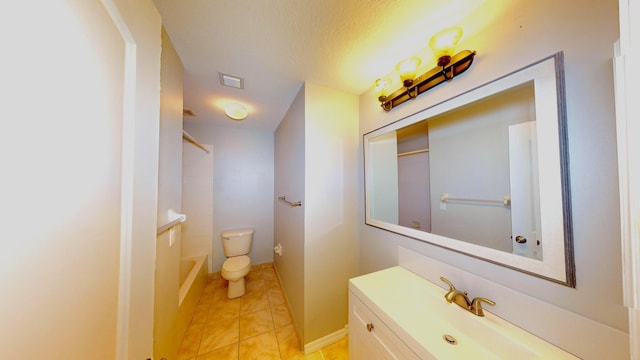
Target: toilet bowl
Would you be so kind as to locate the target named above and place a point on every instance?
(236, 245)
(234, 270)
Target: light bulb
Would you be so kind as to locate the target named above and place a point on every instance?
(444, 44)
(381, 88)
(408, 69)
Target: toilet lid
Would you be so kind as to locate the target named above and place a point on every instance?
(236, 263)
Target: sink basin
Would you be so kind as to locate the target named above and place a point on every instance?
(415, 309)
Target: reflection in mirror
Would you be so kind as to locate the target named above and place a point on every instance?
(469, 175)
(484, 173)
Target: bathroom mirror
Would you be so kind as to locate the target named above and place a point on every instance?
(484, 174)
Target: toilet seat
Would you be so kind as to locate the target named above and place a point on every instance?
(236, 263)
(237, 266)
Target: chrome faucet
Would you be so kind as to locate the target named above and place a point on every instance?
(461, 299)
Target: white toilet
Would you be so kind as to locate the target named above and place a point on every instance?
(236, 245)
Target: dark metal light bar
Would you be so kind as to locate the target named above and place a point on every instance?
(460, 62)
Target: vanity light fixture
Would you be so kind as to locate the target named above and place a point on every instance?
(448, 66)
(236, 111)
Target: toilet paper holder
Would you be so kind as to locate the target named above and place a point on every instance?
(278, 249)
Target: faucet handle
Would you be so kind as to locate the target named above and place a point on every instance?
(452, 294)
(476, 306)
(451, 287)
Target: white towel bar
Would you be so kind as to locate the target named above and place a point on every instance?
(179, 218)
(292, 204)
(506, 201)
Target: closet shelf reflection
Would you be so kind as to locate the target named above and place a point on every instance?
(415, 152)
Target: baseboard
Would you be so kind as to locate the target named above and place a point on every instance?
(286, 300)
(326, 340)
(634, 326)
(316, 344)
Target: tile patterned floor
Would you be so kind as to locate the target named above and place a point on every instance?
(255, 326)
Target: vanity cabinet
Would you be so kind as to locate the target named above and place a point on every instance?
(370, 338)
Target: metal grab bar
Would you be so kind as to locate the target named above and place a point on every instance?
(292, 204)
(506, 201)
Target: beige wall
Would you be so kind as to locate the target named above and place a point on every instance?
(289, 221)
(316, 147)
(170, 156)
(166, 337)
(242, 186)
(531, 31)
(167, 268)
(63, 297)
(331, 238)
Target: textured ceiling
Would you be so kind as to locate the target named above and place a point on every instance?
(276, 45)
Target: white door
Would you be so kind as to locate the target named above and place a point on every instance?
(523, 178)
(61, 96)
(627, 81)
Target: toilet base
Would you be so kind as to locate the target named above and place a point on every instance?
(236, 288)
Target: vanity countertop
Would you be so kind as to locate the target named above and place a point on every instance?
(415, 310)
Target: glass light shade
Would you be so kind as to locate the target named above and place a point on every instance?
(236, 111)
(443, 44)
(408, 69)
(381, 88)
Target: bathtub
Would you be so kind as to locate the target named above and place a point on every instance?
(193, 276)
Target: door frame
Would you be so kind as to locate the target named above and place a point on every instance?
(627, 81)
(127, 184)
(139, 184)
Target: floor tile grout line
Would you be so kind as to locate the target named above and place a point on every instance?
(271, 305)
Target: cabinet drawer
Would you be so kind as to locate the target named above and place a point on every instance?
(370, 338)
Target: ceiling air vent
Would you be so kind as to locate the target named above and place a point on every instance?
(231, 81)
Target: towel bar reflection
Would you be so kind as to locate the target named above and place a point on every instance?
(506, 201)
(292, 204)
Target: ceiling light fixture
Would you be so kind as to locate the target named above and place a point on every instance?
(448, 66)
(236, 111)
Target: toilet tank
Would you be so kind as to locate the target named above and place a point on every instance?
(237, 242)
